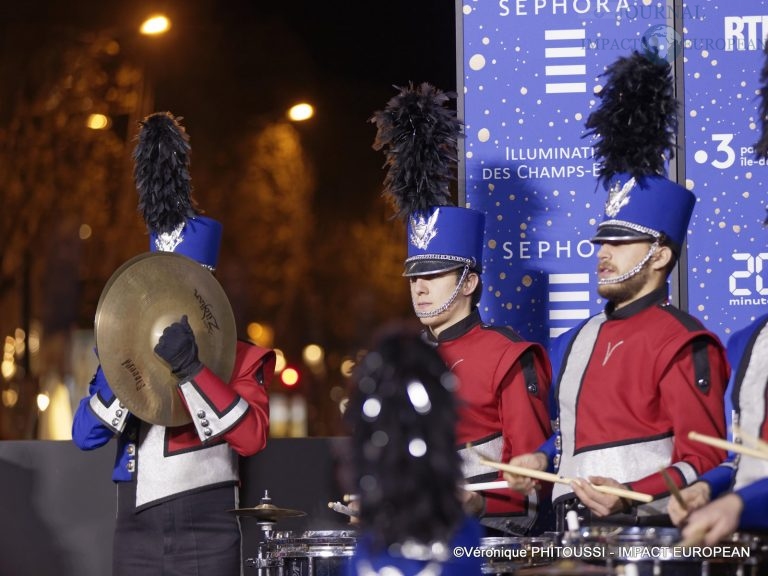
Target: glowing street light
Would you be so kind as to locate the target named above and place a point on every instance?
(98, 122)
(155, 25)
(300, 112)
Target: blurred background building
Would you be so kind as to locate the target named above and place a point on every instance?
(311, 259)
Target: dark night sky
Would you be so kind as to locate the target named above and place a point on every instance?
(226, 62)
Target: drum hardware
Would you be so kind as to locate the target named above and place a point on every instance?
(657, 551)
(508, 554)
(309, 553)
(142, 297)
(571, 568)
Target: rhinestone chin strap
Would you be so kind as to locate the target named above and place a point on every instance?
(633, 272)
(444, 307)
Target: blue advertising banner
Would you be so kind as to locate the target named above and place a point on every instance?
(727, 243)
(529, 72)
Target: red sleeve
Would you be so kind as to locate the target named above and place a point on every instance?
(238, 410)
(692, 404)
(523, 392)
(523, 406)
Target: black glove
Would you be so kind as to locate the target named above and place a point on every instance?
(177, 346)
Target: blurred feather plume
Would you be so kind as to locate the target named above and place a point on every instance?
(161, 172)
(636, 120)
(419, 134)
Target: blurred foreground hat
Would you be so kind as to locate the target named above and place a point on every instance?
(419, 135)
(161, 172)
(635, 124)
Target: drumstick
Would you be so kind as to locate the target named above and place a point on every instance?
(350, 497)
(528, 472)
(519, 470)
(549, 477)
(725, 445)
(673, 489)
(748, 438)
(623, 493)
(480, 486)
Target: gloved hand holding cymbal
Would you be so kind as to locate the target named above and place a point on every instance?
(178, 347)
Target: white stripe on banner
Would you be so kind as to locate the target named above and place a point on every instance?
(568, 52)
(566, 34)
(575, 314)
(573, 70)
(567, 88)
(569, 296)
(569, 278)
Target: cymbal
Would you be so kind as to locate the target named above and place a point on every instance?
(268, 512)
(143, 297)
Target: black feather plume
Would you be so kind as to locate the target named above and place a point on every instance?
(161, 172)
(761, 148)
(418, 134)
(636, 121)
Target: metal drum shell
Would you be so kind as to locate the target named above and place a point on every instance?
(507, 554)
(311, 553)
(654, 551)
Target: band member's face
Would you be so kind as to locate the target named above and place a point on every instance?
(430, 293)
(616, 259)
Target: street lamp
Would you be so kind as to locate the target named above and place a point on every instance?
(300, 112)
(155, 25)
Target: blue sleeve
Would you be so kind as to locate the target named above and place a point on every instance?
(549, 450)
(88, 430)
(720, 478)
(755, 498)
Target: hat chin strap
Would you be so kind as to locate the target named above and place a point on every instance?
(444, 307)
(633, 272)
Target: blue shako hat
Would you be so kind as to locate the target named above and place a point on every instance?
(635, 125)
(161, 172)
(418, 133)
(199, 238)
(444, 238)
(649, 208)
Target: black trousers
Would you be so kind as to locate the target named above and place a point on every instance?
(191, 535)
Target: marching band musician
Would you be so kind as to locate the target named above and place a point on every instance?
(734, 496)
(402, 419)
(503, 381)
(632, 381)
(177, 485)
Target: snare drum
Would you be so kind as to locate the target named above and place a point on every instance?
(655, 551)
(313, 553)
(506, 555)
